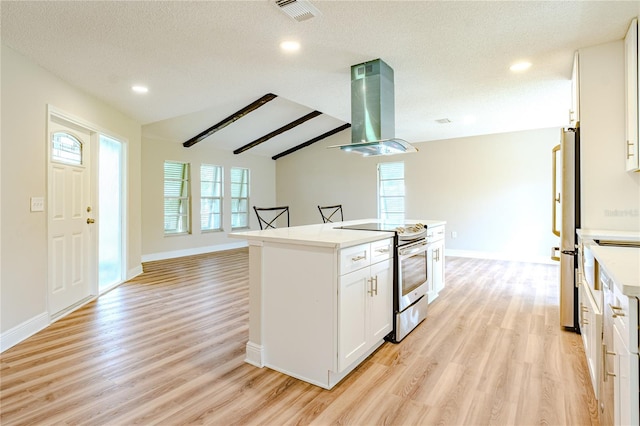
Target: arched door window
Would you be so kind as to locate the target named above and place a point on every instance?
(66, 148)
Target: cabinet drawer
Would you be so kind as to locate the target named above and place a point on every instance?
(435, 234)
(625, 312)
(354, 258)
(381, 250)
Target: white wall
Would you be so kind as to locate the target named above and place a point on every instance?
(154, 153)
(493, 190)
(27, 89)
(610, 195)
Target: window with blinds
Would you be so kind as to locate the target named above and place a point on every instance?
(391, 192)
(176, 198)
(239, 198)
(210, 197)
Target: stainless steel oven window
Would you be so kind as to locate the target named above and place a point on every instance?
(414, 272)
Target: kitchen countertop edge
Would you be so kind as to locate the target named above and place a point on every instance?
(324, 235)
(622, 265)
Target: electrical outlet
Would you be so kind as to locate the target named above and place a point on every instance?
(454, 234)
(37, 204)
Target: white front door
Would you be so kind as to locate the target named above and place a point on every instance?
(71, 247)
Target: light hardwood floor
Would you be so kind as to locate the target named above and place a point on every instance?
(168, 347)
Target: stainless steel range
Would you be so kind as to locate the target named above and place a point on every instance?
(410, 279)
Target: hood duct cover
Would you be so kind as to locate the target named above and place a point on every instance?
(373, 112)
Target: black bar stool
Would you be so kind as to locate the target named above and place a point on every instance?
(328, 213)
(267, 216)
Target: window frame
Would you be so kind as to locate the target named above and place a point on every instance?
(217, 182)
(69, 159)
(236, 201)
(184, 199)
(383, 212)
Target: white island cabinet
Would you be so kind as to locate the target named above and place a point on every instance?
(619, 389)
(320, 299)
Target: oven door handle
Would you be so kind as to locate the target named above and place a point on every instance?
(408, 251)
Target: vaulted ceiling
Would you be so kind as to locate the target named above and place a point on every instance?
(204, 61)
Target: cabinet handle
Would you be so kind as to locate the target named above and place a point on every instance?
(373, 290)
(629, 152)
(605, 352)
(585, 322)
(383, 250)
(616, 311)
(357, 258)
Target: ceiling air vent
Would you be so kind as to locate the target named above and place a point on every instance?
(300, 10)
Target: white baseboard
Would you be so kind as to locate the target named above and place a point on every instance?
(254, 354)
(134, 272)
(23, 331)
(499, 256)
(192, 251)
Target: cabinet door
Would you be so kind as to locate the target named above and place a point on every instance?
(626, 396)
(631, 96)
(352, 317)
(606, 388)
(437, 266)
(381, 300)
(574, 114)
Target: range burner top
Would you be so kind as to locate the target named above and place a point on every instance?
(409, 230)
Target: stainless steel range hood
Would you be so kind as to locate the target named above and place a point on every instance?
(373, 112)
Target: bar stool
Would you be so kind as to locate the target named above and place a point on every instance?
(267, 216)
(328, 213)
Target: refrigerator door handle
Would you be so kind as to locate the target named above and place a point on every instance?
(554, 254)
(555, 204)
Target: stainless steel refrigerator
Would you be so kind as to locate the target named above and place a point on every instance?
(566, 219)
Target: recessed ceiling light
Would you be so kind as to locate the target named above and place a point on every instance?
(139, 89)
(290, 46)
(520, 66)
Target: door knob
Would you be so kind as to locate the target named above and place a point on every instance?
(90, 221)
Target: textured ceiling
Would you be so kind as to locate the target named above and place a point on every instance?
(204, 60)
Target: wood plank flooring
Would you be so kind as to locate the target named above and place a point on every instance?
(168, 347)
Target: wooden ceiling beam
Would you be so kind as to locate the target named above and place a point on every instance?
(230, 119)
(311, 141)
(277, 132)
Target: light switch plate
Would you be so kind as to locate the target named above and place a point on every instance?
(37, 204)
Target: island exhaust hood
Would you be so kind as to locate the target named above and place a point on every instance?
(373, 112)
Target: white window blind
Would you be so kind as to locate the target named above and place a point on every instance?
(239, 197)
(391, 192)
(176, 198)
(210, 197)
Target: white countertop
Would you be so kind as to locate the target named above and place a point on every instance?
(622, 265)
(325, 234)
(604, 234)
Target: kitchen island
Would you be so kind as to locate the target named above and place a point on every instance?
(609, 304)
(309, 315)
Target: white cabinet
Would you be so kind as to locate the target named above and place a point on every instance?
(365, 301)
(619, 389)
(631, 97)
(435, 257)
(574, 113)
(591, 330)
